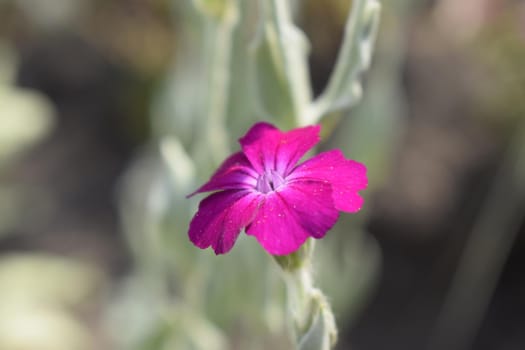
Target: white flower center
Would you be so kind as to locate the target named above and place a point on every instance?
(269, 181)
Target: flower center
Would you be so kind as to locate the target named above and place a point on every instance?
(269, 181)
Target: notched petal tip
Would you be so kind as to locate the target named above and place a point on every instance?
(256, 132)
(360, 173)
(267, 147)
(347, 177)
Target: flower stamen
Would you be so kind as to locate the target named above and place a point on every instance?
(270, 181)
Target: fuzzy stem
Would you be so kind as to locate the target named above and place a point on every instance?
(312, 318)
(282, 83)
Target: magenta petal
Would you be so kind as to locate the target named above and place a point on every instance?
(267, 147)
(221, 217)
(347, 177)
(234, 173)
(289, 216)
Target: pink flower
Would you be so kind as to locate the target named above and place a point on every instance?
(280, 203)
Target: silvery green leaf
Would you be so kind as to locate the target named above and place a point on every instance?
(380, 116)
(240, 113)
(193, 104)
(282, 82)
(178, 162)
(322, 333)
(344, 87)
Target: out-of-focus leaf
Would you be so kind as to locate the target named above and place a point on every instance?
(52, 14)
(145, 192)
(47, 279)
(25, 116)
(240, 113)
(146, 320)
(319, 335)
(178, 161)
(220, 10)
(134, 317)
(37, 290)
(39, 327)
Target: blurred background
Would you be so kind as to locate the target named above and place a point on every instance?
(105, 127)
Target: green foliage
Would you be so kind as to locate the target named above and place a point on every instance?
(26, 116)
(37, 291)
(230, 70)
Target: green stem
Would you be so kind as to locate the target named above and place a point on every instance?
(312, 318)
(290, 54)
